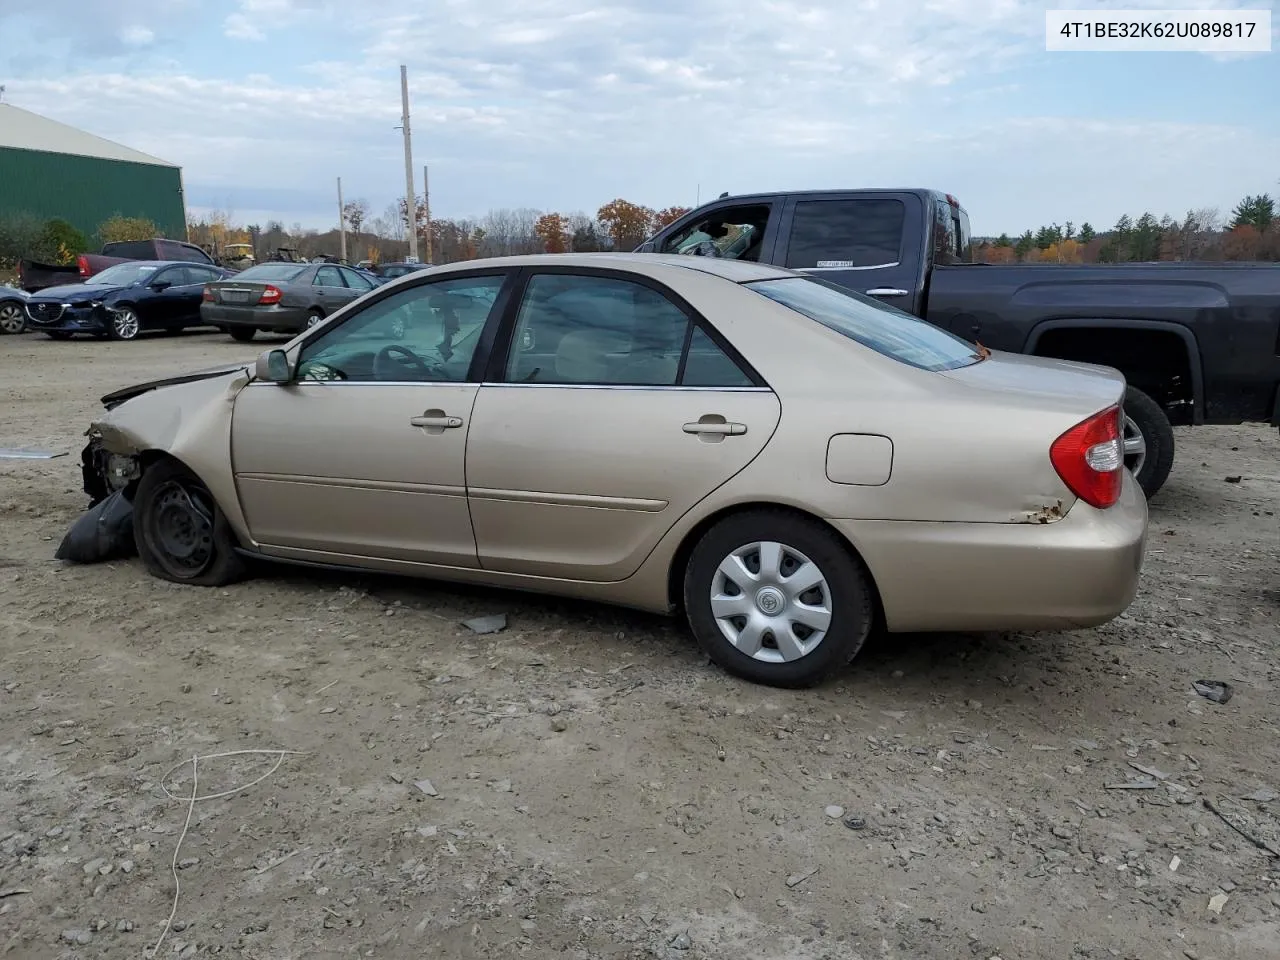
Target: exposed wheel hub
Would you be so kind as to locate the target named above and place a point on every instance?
(183, 530)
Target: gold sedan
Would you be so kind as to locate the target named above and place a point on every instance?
(790, 464)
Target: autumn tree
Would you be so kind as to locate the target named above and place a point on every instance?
(668, 215)
(626, 223)
(118, 228)
(553, 230)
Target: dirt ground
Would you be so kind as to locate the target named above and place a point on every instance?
(596, 789)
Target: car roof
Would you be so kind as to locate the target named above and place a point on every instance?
(652, 264)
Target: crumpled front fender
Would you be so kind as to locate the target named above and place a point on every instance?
(190, 422)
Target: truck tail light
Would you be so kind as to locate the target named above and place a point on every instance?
(1090, 458)
(82, 264)
(270, 295)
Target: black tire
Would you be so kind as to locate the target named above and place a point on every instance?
(57, 335)
(848, 596)
(242, 334)
(1157, 433)
(181, 532)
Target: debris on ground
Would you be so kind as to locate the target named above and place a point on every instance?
(1215, 690)
(425, 786)
(490, 624)
(798, 878)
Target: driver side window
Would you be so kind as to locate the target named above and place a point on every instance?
(730, 233)
(425, 333)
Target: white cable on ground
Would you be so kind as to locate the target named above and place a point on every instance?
(195, 798)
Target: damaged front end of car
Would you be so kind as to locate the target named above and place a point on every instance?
(139, 427)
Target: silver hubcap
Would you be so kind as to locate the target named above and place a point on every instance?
(126, 324)
(771, 602)
(313, 319)
(1135, 446)
(10, 318)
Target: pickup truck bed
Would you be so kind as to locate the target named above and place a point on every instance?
(1198, 343)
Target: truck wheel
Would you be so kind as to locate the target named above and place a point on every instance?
(1148, 441)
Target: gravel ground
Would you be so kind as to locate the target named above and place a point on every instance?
(583, 784)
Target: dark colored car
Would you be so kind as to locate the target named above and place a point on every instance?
(13, 313)
(40, 276)
(391, 271)
(280, 297)
(125, 300)
(1198, 343)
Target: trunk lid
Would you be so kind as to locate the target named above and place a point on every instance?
(239, 293)
(1074, 389)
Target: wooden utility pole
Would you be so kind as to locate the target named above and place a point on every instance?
(426, 210)
(342, 225)
(410, 207)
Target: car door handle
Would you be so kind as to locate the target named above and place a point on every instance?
(886, 292)
(436, 421)
(718, 429)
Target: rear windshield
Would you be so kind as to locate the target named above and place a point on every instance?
(270, 271)
(123, 274)
(885, 329)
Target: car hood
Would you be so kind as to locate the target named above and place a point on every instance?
(113, 400)
(75, 291)
(13, 293)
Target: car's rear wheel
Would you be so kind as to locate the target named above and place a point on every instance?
(777, 598)
(125, 324)
(181, 532)
(242, 334)
(1148, 441)
(13, 319)
(313, 318)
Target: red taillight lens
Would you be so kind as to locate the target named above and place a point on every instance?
(1090, 458)
(82, 265)
(270, 294)
(207, 295)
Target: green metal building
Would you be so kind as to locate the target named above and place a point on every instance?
(48, 169)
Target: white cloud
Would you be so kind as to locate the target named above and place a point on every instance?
(567, 103)
(136, 36)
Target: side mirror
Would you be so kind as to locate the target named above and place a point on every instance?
(273, 367)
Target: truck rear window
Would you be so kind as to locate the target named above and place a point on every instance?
(884, 329)
(846, 233)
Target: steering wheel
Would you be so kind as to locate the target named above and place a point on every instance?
(401, 356)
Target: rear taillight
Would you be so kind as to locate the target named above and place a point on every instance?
(207, 295)
(270, 294)
(82, 264)
(1090, 458)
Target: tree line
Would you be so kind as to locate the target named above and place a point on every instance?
(1252, 232)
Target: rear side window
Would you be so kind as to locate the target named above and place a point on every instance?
(876, 325)
(172, 250)
(131, 250)
(846, 233)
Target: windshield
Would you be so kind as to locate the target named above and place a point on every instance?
(270, 271)
(122, 274)
(885, 329)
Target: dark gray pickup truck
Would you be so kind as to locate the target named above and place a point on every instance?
(1199, 343)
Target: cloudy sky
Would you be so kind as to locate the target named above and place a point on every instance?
(566, 104)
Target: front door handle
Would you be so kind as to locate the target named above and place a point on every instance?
(435, 421)
(886, 292)
(716, 428)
